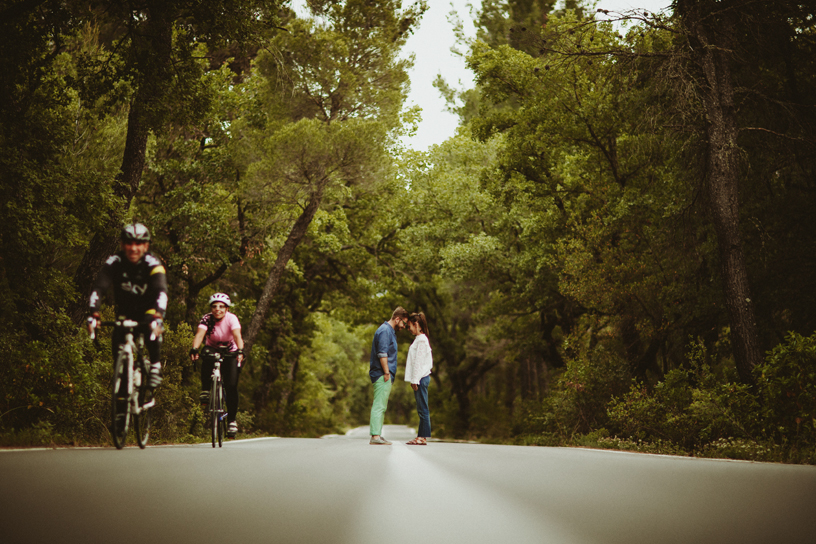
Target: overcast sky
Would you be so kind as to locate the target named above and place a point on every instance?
(431, 45)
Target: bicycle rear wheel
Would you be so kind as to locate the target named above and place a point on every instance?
(120, 414)
(141, 421)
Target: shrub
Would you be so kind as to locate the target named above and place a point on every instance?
(590, 381)
(51, 388)
(786, 387)
(661, 414)
(738, 448)
(578, 400)
(715, 417)
(657, 446)
(177, 411)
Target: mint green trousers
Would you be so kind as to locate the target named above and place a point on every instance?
(382, 390)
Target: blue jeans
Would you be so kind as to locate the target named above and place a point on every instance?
(421, 396)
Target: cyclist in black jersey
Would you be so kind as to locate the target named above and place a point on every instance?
(139, 288)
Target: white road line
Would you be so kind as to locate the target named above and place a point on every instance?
(419, 493)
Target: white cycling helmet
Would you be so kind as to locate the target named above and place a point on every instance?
(220, 297)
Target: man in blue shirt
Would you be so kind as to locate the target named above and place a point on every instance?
(383, 368)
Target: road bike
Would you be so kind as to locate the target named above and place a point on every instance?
(216, 407)
(131, 396)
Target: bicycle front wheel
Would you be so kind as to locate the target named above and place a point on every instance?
(141, 421)
(222, 420)
(214, 413)
(120, 414)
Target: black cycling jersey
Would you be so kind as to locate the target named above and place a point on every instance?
(138, 289)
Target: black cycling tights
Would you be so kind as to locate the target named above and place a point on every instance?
(229, 375)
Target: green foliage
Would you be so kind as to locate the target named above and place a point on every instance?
(333, 385)
(594, 208)
(687, 407)
(786, 392)
(661, 415)
(177, 407)
(713, 416)
(576, 404)
(746, 450)
(57, 385)
(191, 194)
(657, 446)
(559, 243)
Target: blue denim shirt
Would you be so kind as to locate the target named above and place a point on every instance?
(384, 345)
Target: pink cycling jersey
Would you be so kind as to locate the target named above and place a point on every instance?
(222, 332)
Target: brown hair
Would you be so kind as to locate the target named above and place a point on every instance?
(399, 312)
(423, 323)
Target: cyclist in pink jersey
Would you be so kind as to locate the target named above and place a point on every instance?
(220, 331)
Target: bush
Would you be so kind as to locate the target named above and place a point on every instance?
(786, 387)
(660, 414)
(657, 446)
(51, 385)
(578, 403)
(738, 448)
(177, 413)
(713, 416)
(57, 389)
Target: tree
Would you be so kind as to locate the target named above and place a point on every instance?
(54, 160)
(347, 87)
(152, 48)
(191, 193)
(446, 252)
(682, 79)
(586, 190)
(711, 31)
(720, 41)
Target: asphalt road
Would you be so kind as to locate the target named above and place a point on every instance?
(342, 490)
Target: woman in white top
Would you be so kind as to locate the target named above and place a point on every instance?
(418, 373)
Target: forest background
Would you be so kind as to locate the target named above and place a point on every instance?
(616, 250)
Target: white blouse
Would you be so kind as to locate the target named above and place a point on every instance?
(420, 360)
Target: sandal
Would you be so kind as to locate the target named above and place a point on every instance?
(417, 442)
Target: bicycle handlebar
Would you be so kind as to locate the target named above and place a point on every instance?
(127, 323)
(120, 323)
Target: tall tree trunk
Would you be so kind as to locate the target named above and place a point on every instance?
(296, 234)
(461, 390)
(713, 35)
(159, 45)
(510, 388)
(287, 396)
(551, 355)
(125, 186)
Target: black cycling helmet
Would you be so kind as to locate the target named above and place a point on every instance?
(135, 232)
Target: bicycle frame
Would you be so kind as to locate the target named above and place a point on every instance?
(134, 380)
(216, 399)
(216, 374)
(128, 366)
